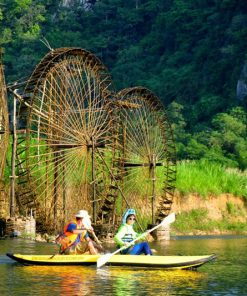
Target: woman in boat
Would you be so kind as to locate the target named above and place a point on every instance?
(126, 234)
(75, 238)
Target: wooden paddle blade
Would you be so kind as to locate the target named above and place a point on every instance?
(103, 259)
(169, 219)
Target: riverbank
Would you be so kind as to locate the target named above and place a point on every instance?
(196, 215)
(213, 215)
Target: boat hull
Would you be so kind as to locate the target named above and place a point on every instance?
(161, 262)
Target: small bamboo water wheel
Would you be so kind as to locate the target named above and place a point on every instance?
(146, 156)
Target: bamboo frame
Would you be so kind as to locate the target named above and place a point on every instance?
(4, 121)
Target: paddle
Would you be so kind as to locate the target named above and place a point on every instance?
(103, 259)
(97, 241)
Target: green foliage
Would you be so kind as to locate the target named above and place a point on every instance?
(223, 141)
(190, 53)
(22, 4)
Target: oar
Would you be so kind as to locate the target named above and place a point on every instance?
(96, 239)
(98, 242)
(103, 259)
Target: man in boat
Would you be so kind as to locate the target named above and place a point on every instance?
(75, 238)
(126, 234)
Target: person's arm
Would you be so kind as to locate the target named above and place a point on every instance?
(120, 234)
(87, 238)
(147, 237)
(78, 231)
(73, 229)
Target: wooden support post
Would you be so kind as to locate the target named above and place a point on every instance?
(93, 181)
(55, 187)
(64, 189)
(153, 187)
(13, 158)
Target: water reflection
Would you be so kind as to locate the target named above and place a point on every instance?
(64, 280)
(152, 282)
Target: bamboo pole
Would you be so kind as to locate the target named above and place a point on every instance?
(153, 187)
(13, 159)
(93, 181)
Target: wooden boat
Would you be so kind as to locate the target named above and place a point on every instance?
(162, 262)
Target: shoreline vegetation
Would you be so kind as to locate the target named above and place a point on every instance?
(197, 222)
(211, 199)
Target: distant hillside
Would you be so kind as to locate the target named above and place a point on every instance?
(192, 54)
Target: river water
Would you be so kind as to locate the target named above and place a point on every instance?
(225, 276)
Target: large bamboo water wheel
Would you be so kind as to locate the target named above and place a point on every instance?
(69, 122)
(146, 156)
(4, 125)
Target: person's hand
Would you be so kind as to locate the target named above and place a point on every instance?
(125, 245)
(130, 244)
(90, 230)
(149, 238)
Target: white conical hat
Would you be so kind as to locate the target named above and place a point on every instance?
(86, 218)
(82, 214)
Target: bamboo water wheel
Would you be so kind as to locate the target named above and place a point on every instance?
(70, 128)
(4, 125)
(146, 156)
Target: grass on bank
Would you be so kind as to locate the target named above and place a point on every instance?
(209, 178)
(197, 220)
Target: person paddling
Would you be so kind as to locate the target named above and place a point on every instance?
(75, 238)
(127, 234)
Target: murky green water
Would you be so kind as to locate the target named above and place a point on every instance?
(225, 276)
